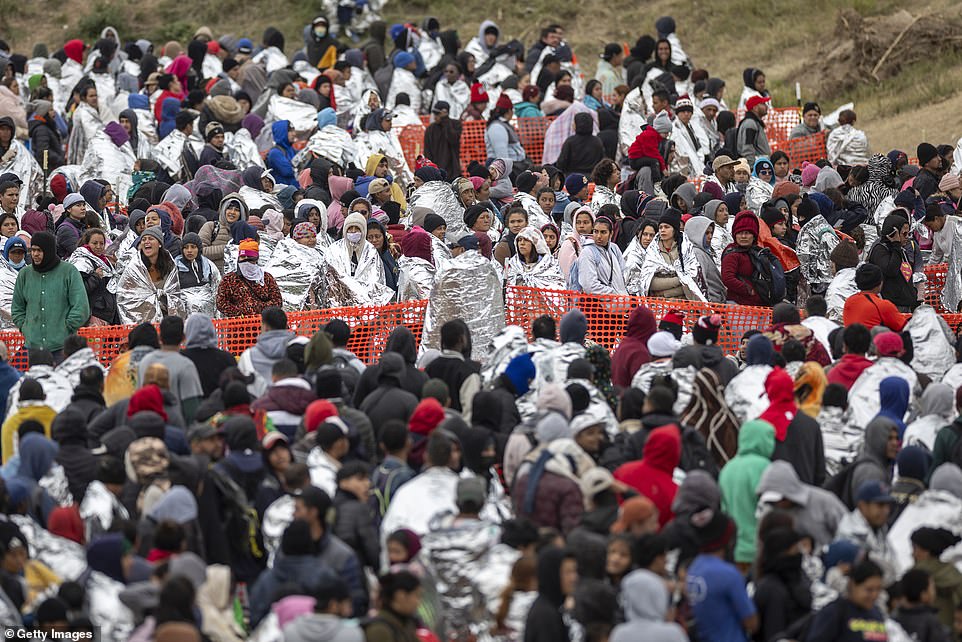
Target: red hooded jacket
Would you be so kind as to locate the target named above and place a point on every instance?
(74, 49)
(652, 476)
(646, 145)
(632, 352)
(847, 369)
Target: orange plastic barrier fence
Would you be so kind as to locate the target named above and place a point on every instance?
(370, 326)
(809, 148)
(530, 130)
(607, 315)
(934, 286)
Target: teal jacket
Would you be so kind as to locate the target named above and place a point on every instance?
(47, 306)
(739, 479)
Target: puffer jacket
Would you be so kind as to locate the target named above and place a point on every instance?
(216, 235)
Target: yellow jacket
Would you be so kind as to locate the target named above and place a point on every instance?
(36, 410)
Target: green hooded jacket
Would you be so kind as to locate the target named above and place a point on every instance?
(739, 479)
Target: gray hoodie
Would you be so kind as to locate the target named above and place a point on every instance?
(320, 626)
(817, 512)
(875, 465)
(710, 275)
(646, 602)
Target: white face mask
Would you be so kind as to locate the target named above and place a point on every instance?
(353, 237)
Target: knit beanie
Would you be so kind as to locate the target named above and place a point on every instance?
(771, 216)
(573, 327)
(807, 208)
(949, 182)
(914, 462)
(672, 217)
(925, 152)
(845, 255)
(705, 331)
(662, 344)
(745, 222)
(809, 173)
(662, 123)
(868, 276)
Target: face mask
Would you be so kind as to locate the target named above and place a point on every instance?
(353, 237)
(17, 266)
(320, 33)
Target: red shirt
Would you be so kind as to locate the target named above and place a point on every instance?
(871, 310)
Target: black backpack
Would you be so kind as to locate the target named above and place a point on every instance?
(241, 523)
(768, 276)
(840, 484)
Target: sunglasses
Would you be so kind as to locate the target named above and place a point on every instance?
(764, 171)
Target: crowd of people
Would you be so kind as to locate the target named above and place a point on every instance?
(481, 483)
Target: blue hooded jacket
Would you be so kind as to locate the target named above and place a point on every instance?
(764, 162)
(280, 156)
(894, 400)
(168, 116)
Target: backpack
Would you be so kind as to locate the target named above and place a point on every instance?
(242, 526)
(768, 276)
(382, 78)
(574, 284)
(840, 484)
(383, 482)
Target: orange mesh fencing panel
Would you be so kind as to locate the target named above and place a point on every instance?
(808, 148)
(472, 143)
(607, 315)
(935, 284)
(531, 132)
(412, 142)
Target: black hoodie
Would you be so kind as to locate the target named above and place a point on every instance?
(546, 622)
(402, 341)
(581, 151)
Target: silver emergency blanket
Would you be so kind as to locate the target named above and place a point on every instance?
(454, 554)
(863, 398)
(933, 352)
(265, 249)
(8, 279)
(745, 394)
(655, 263)
(25, 166)
(139, 300)
(439, 197)
(536, 216)
(86, 124)
(169, 152)
(466, 287)
(87, 262)
(272, 57)
(114, 164)
(634, 261)
(146, 129)
(228, 181)
(504, 346)
(66, 558)
(230, 257)
(757, 193)
(952, 291)
(387, 143)
(816, 240)
(113, 619)
(933, 508)
(302, 116)
(72, 174)
(277, 518)
(202, 299)
(545, 274)
(415, 278)
(298, 271)
(598, 407)
(364, 287)
(648, 371)
(257, 198)
(551, 361)
(55, 483)
(98, 508)
(241, 149)
(841, 439)
(839, 290)
(123, 249)
(332, 143)
(404, 81)
(633, 116)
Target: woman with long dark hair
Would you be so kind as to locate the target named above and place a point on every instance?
(149, 288)
(501, 139)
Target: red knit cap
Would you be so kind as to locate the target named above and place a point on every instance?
(745, 222)
(147, 398)
(317, 412)
(426, 416)
(478, 94)
(504, 102)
